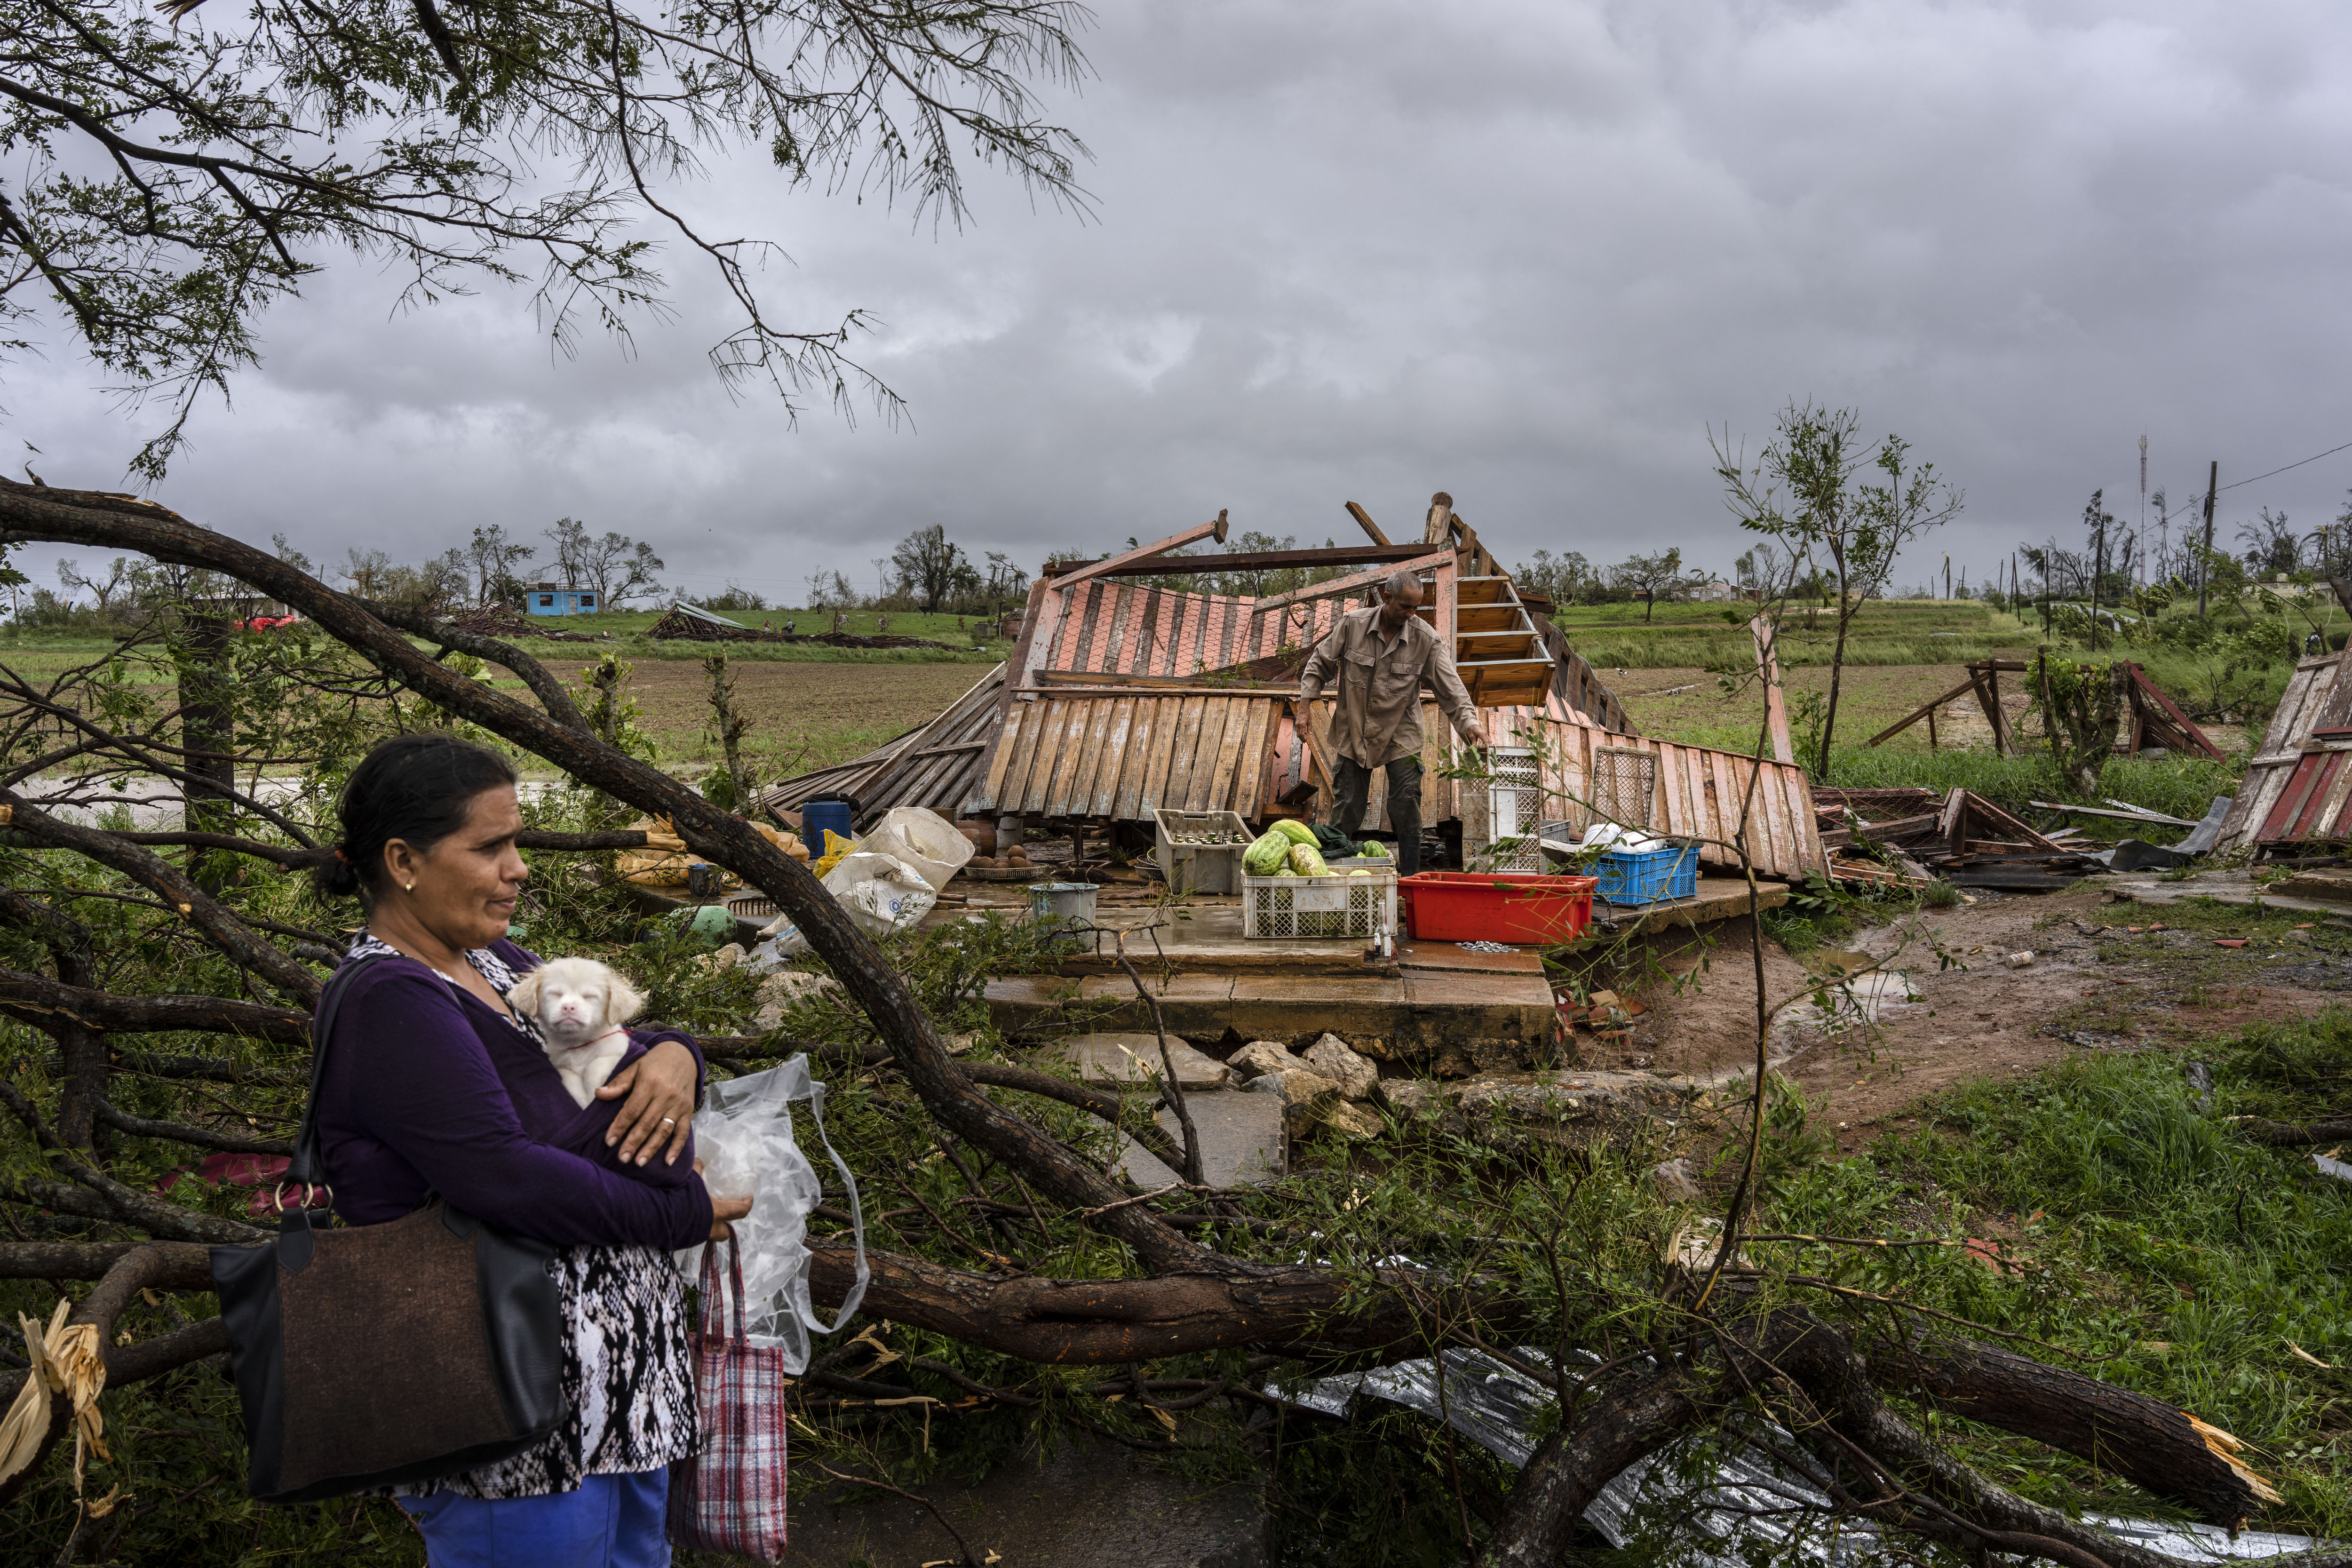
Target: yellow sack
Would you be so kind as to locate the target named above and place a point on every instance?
(664, 860)
(835, 846)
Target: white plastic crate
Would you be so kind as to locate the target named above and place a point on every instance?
(1323, 907)
(1201, 867)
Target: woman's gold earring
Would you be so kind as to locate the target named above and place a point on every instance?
(410, 886)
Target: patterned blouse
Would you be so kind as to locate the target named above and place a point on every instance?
(628, 1373)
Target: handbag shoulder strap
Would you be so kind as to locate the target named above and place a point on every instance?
(303, 1170)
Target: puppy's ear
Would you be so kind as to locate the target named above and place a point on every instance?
(525, 995)
(624, 1002)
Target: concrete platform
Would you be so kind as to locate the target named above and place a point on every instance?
(1241, 1141)
(1131, 1062)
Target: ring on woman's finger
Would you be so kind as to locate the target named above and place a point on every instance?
(669, 1121)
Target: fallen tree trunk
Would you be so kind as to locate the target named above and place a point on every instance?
(2295, 1134)
(2164, 1449)
(1111, 1322)
(22, 996)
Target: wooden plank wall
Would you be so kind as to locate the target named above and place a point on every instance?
(1700, 791)
(2316, 698)
(1119, 628)
(1125, 757)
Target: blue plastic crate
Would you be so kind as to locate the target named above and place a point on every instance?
(1648, 876)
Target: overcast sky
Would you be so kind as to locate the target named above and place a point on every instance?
(1523, 252)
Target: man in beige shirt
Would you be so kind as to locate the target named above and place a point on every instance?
(1383, 655)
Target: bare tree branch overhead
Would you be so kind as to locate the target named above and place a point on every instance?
(180, 173)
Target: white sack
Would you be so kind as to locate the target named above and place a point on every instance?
(922, 839)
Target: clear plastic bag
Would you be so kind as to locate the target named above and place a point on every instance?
(744, 1136)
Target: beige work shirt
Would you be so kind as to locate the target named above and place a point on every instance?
(1379, 706)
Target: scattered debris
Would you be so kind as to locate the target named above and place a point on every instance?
(685, 622)
(2020, 960)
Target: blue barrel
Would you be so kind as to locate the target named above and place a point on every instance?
(828, 813)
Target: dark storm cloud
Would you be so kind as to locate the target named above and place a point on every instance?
(1526, 253)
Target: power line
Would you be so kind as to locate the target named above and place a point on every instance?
(2329, 453)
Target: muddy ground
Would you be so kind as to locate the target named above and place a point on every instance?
(2093, 983)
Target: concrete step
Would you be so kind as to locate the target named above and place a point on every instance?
(1131, 1062)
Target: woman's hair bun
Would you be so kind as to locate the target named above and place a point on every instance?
(332, 874)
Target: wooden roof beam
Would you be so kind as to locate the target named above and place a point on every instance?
(1130, 565)
(1140, 558)
(1355, 582)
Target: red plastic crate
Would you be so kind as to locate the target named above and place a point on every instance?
(1496, 906)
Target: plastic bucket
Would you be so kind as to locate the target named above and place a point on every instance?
(1061, 903)
(817, 816)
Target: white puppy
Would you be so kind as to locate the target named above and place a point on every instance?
(580, 1006)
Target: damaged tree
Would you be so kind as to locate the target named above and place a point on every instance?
(1688, 1349)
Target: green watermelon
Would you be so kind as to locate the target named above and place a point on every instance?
(1265, 857)
(1296, 831)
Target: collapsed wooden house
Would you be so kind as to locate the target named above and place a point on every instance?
(1125, 696)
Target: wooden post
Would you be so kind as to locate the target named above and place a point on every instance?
(1364, 521)
(1440, 527)
(1931, 729)
(2213, 481)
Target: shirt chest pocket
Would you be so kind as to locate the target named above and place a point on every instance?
(1359, 670)
(1395, 676)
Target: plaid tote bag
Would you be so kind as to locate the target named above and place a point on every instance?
(730, 1496)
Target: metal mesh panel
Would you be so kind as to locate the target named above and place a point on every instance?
(1624, 782)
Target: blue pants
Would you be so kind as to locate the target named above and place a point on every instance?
(612, 1521)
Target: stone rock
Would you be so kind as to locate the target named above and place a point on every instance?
(1132, 1062)
(786, 986)
(1349, 1121)
(1305, 1096)
(726, 957)
(1241, 1141)
(1262, 1057)
(1334, 1059)
(1674, 1181)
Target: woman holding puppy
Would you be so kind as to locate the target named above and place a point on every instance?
(435, 1084)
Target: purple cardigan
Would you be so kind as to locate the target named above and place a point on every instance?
(427, 1091)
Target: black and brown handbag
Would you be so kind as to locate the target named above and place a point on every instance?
(370, 1355)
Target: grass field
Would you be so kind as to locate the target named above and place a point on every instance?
(808, 712)
(805, 715)
(1911, 631)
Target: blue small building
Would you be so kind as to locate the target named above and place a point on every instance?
(559, 599)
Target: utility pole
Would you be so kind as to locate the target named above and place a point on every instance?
(2212, 482)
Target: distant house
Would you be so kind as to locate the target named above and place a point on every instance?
(1716, 591)
(559, 599)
